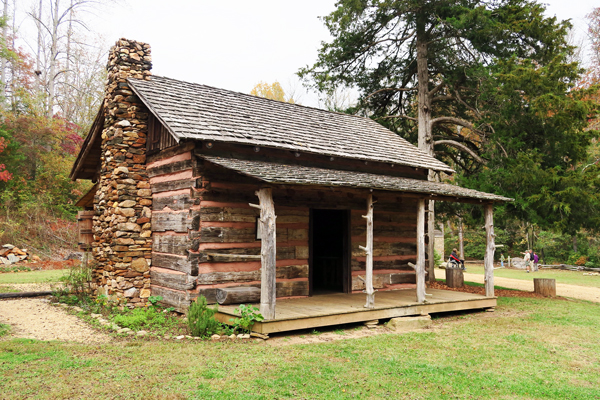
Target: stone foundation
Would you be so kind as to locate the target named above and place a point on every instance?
(122, 245)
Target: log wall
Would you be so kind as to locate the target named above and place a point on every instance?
(204, 231)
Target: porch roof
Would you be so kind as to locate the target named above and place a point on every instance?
(277, 173)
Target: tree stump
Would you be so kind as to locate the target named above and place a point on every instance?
(545, 287)
(454, 277)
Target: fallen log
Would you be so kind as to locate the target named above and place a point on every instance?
(238, 295)
(24, 294)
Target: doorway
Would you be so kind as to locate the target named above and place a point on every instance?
(329, 265)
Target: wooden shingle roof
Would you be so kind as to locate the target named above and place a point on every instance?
(277, 173)
(199, 112)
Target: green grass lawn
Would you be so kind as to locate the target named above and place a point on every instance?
(568, 277)
(527, 349)
(33, 276)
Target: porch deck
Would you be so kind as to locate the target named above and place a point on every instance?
(340, 308)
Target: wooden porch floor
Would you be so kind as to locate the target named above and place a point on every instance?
(340, 308)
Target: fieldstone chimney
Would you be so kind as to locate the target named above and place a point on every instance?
(122, 245)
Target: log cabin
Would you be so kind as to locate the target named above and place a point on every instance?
(204, 191)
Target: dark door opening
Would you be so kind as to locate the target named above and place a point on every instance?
(330, 251)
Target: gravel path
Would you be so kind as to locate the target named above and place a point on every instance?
(562, 289)
(36, 318)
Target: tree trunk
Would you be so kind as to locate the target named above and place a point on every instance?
(3, 60)
(574, 243)
(53, 58)
(425, 140)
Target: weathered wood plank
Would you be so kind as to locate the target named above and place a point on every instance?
(388, 264)
(172, 281)
(454, 278)
(403, 277)
(420, 265)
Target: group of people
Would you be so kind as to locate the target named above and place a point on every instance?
(531, 260)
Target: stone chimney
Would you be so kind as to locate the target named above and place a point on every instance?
(122, 245)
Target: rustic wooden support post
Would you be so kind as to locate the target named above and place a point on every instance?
(545, 287)
(267, 253)
(369, 250)
(420, 267)
(489, 250)
(431, 245)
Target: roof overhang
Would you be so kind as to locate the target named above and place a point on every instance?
(86, 163)
(287, 174)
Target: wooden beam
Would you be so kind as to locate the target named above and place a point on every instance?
(420, 267)
(489, 250)
(268, 253)
(369, 251)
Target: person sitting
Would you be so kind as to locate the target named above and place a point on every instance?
(454, 259)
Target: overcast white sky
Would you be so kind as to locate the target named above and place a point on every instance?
(234, 44)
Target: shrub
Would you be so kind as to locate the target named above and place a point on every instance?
(201, 320)
(77, 283)
(248, 315)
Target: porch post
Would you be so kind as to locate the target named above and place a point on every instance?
(420, 267)
(369, 250)
(267, 253)
(489, 250)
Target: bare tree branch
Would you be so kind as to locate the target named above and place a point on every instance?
(390, 90)
(399, 116)
(456, 121)
(461, 147)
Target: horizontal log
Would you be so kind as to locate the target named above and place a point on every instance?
(238, 295)
(172, 281)
(24, 294)
(168, 186)
(283, 272)
(172, 298)
(176, 203)
(391, 264)
(210, 294)
(385, 249)
(403, 277)
(174, 244)
(228, 214)
(177, 222)
(170, 168)
(385, 230)
(187, 265)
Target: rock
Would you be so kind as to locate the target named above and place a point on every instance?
(8, 246)
(243, 336)
(145, 293)
(517, 262)
(232, 336)
(139, 265)
(215, 337)
(180, 337)
(133, 292)
(141, 333)
(75, 256)
(76, 309)
(127, 204)
(371, 324)
(129, 227)
(123, 330)
(403, 324)
(124, 123)
(95, 315)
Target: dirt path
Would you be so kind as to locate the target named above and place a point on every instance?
(36, 318)
(562, 289)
